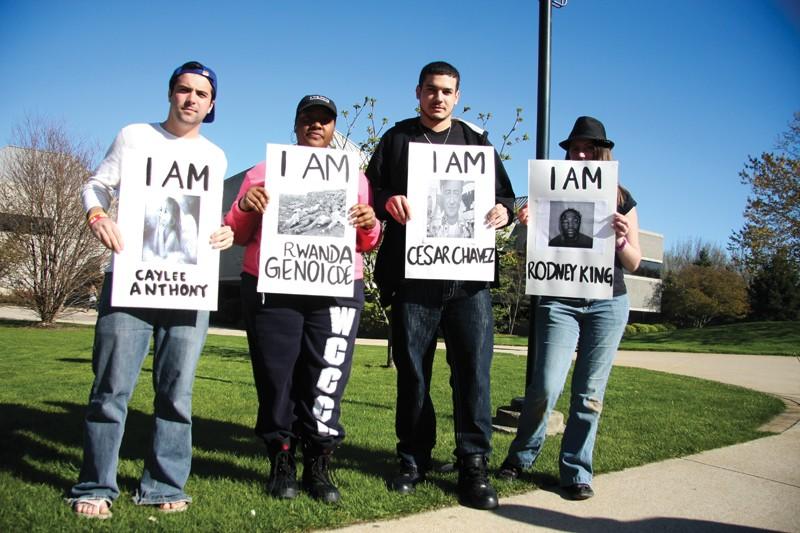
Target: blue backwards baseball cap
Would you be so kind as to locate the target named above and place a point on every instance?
(195, 67)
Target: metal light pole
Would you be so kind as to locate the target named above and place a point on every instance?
(542, 143)
(542, 152)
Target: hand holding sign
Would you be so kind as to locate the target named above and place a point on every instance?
(256, 198)
(107, 232)
(523, 215)
(362, 216)
(398, 207)
(222, 238)
(620, 225)
(497, 217)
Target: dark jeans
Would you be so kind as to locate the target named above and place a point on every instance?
(463, 310)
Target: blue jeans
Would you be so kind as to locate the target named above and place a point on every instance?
(121, 342)
(560, 323)
(464, 312)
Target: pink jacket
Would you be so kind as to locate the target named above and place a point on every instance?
(246, 225)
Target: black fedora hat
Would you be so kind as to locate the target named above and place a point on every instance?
(588, 128)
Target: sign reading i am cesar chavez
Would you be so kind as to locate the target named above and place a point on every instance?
(169, 205)
(450, 190)
(307, 242)
(570, 237)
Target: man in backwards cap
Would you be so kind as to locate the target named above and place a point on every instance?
(122, 335)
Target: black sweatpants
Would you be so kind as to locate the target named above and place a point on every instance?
(301, 348)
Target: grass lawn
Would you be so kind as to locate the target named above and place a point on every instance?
(755, 338)
(648, 416)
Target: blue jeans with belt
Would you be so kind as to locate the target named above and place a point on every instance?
(121, 342)
(596, 327)
(463, 310)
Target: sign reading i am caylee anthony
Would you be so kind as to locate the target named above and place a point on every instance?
(450, 190)
(169, 205)
(307, 243)
(570, 237)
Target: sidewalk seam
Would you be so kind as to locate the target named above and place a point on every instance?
(739, 472)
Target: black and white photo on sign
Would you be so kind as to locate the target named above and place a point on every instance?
(453, 187)
(307, 241)
(571, 224)
(451, 210)
(169, 205)
(170, 229)
(570, 250)
(313, 213)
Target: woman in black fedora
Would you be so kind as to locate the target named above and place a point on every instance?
(595, 326)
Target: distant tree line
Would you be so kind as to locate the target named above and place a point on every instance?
(758, 277)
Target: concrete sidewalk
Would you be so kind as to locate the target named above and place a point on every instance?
(750, 486)
(745, 487)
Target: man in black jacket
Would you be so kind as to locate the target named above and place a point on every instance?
(463, 309)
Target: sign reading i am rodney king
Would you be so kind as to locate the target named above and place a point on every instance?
(449, 240)
(570, 238)
(169, 204)
(307, 242)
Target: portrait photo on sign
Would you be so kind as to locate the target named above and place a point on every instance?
(451, 212)
(314, 213)
(571, 224)
(170, 229)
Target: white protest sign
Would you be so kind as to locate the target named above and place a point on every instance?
(307, 242)
(450, 191)
(169, 204)
(570, 238)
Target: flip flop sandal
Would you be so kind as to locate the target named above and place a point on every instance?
(97, 504)
(179, 509)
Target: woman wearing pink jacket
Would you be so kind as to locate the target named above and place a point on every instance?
(301, 347)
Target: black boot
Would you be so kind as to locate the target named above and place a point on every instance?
(474, 489)
(316, 477)
(282, 481)
(407, 477)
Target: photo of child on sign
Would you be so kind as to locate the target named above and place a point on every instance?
(170, 230)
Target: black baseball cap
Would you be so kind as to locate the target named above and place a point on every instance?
(311, 100)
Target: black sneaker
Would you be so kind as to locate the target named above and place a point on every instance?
(282, 481)
(406, 479)
(474, 489)
(579, 491)
(316, 478)
(509, 472)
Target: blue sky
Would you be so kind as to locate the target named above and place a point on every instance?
(687, 89)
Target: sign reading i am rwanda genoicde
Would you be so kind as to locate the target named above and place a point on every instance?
(570, 249)
(307, 242)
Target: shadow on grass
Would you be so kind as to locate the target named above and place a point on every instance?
(546, 518)
(88, 360)
(30, 437)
